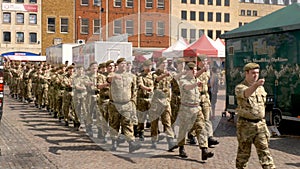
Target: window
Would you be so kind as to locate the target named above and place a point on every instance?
(193, 1)
(6, 37)
(84, 2)
(218, 17)
(210, 2)
(129, 3)
(161, 4)
(201, 16)
(160, 28)
(210, 16)
(240, 24)
(6, 1)
(227, 17)
(201, 2)
(97, 2)
(192, 35)
(32, 19)
(183, 1)
(32, 37)
(254, 13)
(201, 32)
(183, 15)
(84, 27)
(129, 27)
(219, 2)
(192, 15)
(242, 12)
(227, 3)
(20, 18)
(33, 1)
(117, 3)
(20, 37)
(19, 1)
(210, 33)
(6, 17)
(117, 27)
(149, 28)
(51, 25)
(184, 33)
(64, 25)
(218, 33)
(149, 3)
(248, 12)
(97, 26)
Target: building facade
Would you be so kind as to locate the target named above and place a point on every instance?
(20, 27)
(192, 18)
(58, 23)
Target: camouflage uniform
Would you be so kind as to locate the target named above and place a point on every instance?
(67, 106)
(251, 127)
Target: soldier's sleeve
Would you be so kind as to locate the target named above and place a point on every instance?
(240, 90)
(133, 90)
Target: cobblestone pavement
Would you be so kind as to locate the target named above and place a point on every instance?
(32, 139)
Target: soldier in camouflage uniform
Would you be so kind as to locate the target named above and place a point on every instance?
(144, 94)
(122, 105)
(67, 107)
(160, 105)
(190, 116)
(59, 88)
(103, 100)
(251, 125)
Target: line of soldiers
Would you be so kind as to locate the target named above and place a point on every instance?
(120, 101)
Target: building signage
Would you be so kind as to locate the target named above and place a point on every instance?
(19, 7)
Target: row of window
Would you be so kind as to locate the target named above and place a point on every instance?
(32, 37)
(129, 3)
(277, 2)
(193, 34)
(7, 16)
(210, 16)
(208, 2)
(20, 1)
(249, 12)
(64, 25)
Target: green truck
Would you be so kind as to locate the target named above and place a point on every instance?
(272, 41)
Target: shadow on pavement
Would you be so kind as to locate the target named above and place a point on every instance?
(225, 128)
(55, 149)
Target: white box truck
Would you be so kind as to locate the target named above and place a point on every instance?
(59, 54)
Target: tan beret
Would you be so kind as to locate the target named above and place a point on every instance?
(109, 62)
(191, 65)
(202, 57)
(102, 65)
(161, 60)
(250, 66)
(180, 60)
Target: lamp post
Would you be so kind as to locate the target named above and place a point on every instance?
(178, 29)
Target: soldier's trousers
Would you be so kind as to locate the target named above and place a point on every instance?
(103, 116)
(66, 106)
(117, 120)
(191, 118)
(206, 110)
(249, 133)
(80, 109)
(165, 115)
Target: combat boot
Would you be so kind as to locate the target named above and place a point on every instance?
(205, 154)
(182, 152)
(141, 136)
(212, 141)
(191, 139)
(99, 134)
(114, 145)
(133, 146)
(121, 139)
(89, 130)
(153, 145)
(171, 144)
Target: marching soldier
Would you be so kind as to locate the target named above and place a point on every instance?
(67, 96)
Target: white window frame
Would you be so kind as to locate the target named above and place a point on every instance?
(20, 19)
(30, 40)
(63, 25)
(18, 38)
(117, 27)
(84, 27)
(33, 1)
(96, 27)
(50, 25)
(148, 3)
(161, 28)
(161, 4)
(149, 28)
(192, 35)
(129, 28)
(97, 2)
(118, 3)
(32, 19)
(129, 3)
